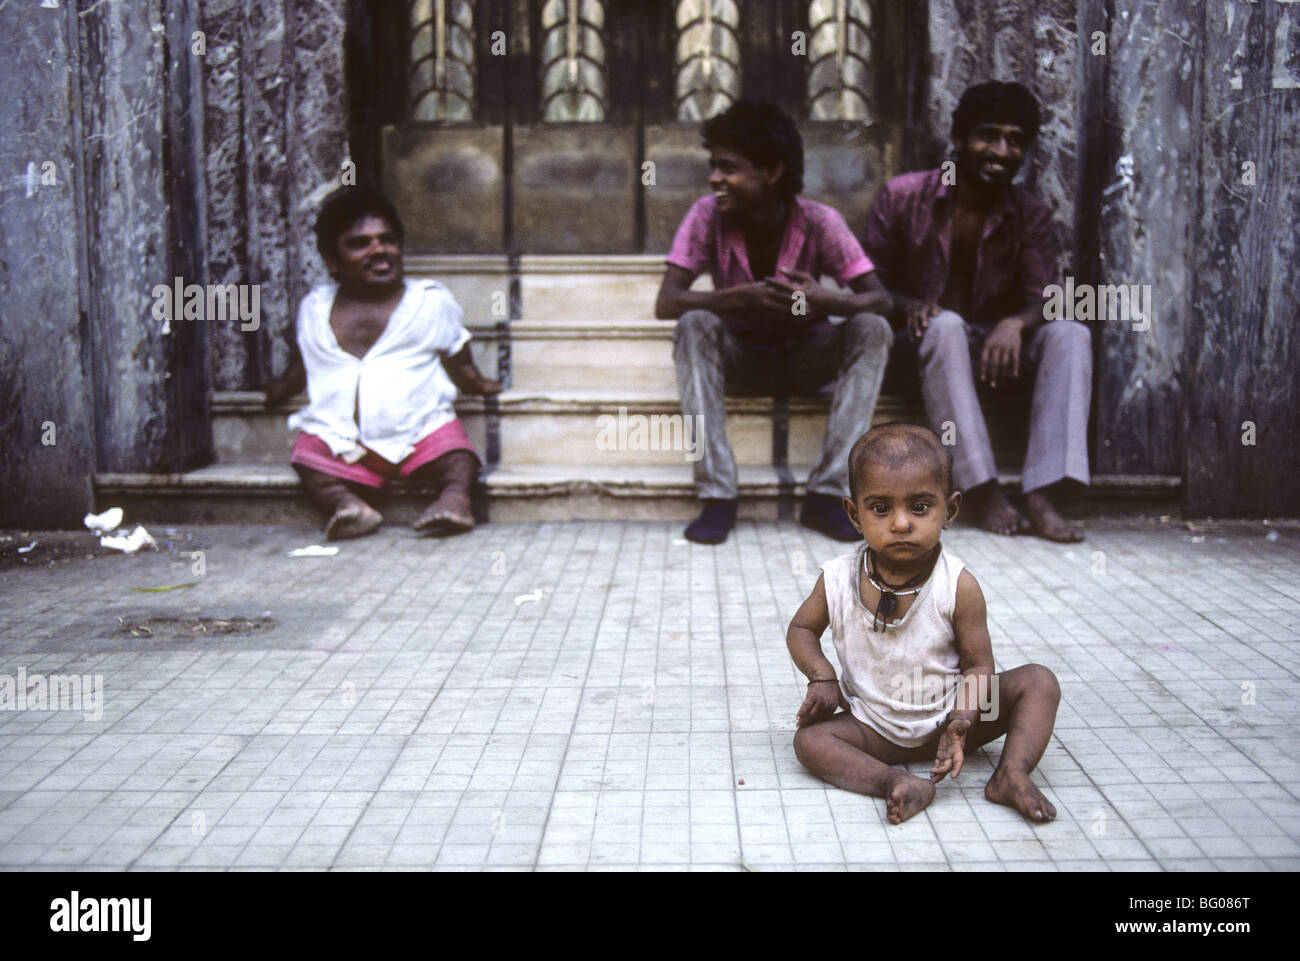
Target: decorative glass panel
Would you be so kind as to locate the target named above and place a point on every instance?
(442, 60)
(839, 77)
(708, 57)
(573, 61)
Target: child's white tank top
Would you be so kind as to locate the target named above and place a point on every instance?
(900, 681)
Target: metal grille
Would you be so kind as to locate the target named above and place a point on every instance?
(442, 60)
(839, 77)
(708, 58)
(573, 64)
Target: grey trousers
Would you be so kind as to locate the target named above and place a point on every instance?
(1059, 358)
(712, 363)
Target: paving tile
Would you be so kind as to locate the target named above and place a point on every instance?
(610, 728)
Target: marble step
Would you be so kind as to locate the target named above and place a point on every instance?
(270, 494)
(559, 288)
(611, 354)
(570, 427)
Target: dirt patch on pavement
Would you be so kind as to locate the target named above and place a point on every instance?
(190, 628)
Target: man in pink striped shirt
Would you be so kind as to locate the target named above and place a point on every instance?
(765, 329)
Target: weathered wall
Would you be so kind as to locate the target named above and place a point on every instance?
(189, 420)
(126, 226)
(1036, 44)
(1243, 341)
(86, 362)
(141, 200)
(276, 117)
(1144, 205)
(44, 375)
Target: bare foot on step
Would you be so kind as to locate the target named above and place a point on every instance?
(449, 514)
(355, 518)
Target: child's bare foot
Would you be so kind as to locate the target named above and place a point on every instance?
(354, 518)
(1015, 790)
(449, 514)
(906, 795)
(1047, 520)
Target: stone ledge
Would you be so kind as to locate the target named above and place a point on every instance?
(431, 265)
(252, 403)
(547, 479)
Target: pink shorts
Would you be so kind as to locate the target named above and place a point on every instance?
(372, 470)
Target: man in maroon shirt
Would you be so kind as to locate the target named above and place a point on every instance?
(967, 255)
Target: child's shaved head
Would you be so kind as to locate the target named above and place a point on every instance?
(896, 444)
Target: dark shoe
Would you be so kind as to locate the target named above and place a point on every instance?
(714, 523)
(825, 514)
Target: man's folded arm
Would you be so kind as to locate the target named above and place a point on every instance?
(676, 297)
(868, 296)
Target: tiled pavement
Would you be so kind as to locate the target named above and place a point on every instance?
(416, 704)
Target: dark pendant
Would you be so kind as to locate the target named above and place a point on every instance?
(885, 608)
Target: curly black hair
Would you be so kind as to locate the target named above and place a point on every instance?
(763, 135)
(996, 102)
(344, 207)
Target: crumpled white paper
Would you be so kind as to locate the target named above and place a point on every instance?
(105, 522)
(129, 543)
(314, 550)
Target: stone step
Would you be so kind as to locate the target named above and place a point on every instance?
(559, 288)
(611, 354)
(590, 428)
(626, 428)
(271, 494)
(267, 494)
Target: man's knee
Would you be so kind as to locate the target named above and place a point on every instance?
(945, 334)
(869, 330)
(698, 338)
(945, 325)
(1068, 335)
(697, 323)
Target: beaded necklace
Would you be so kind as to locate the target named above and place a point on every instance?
(890, 593)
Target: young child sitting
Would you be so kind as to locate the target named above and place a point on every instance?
(908, 622)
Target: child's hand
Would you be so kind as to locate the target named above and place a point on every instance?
(819, 703)
(952, 746)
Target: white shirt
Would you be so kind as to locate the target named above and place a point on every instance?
(900, 681)
(398, 390)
